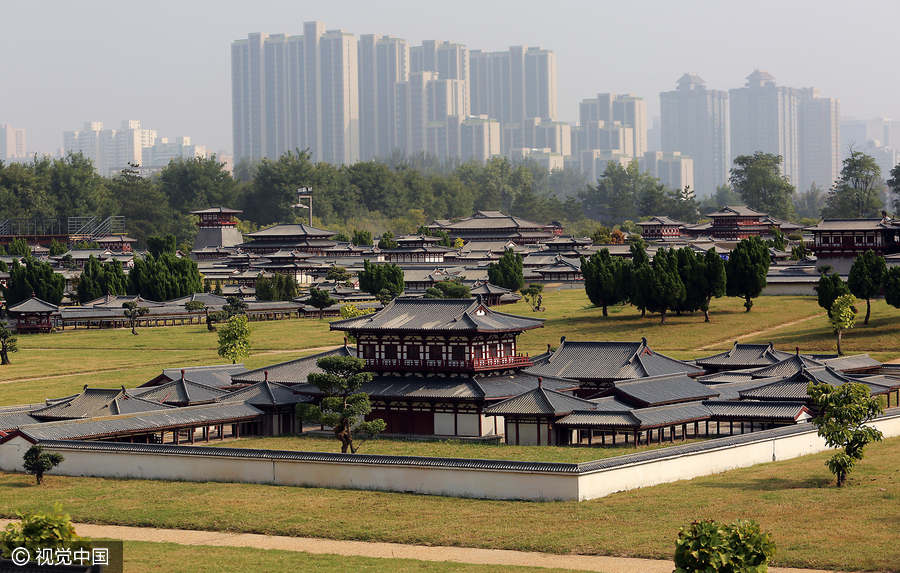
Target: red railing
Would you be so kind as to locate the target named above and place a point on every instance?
(426, 364)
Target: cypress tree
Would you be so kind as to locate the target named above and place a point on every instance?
(867, 278)
(746, 270)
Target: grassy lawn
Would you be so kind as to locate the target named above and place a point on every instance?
(569, 313)
(144, 556)
(63, 362)
(814, 523)
(443, 449)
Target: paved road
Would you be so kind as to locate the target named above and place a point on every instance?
(499, 557)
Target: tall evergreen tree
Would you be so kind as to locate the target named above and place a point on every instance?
(33, 277)
(604, 279)
(746, 270)
(715, 279)
(508, 271)
(664, 287)
(867, 278)
(829, 288)
(384, 280)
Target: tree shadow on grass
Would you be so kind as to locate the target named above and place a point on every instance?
(770, 484)
(18, 484)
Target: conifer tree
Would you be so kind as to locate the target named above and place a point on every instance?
(746, 270)
(867, 278)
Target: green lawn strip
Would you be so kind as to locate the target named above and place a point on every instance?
(880, 335)
(36, 391)
(445, 449)
(174, 558)
(71, 352)
(813, 523)
(570, 314)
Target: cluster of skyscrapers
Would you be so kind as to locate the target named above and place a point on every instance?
(348, 99)
(713, 127)
(112, 150)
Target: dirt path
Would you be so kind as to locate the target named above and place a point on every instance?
(499, 557)
(746, 335)
(312, 350)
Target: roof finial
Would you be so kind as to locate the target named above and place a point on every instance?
(266, 374)
(540, 382)
(798, 350)
(345, 342)
(182, 374)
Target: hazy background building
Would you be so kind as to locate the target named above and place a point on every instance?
(765, 117)
(13, 144)
(819, 145)
(695, 121)
(112, 150)
(296, 92)
(674, 170)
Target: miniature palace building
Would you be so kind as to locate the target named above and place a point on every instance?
(438, 363)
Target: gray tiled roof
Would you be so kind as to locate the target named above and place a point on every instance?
(850, 225)
(92, 402)
(540, 401)
(660, 220)
(795, 387)
(139, 422)
(608, 361)
(293, 371)
(672, 414)
(225, 210)
(264, 394)
(736, 210)
(33, 304)
(786, 367)
(769, 410)
(852, 362)
(745, 356)
(291, 230)
(12, 420)
(440, 315)
(181, 392)
(657, 390)
(216, 375)
(588, 418)
(730, 390)
(472, 388)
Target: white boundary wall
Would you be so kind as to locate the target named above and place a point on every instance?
(418, 475)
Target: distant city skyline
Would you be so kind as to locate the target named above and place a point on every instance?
(182, 84)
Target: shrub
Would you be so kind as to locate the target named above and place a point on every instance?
(35, 531)
(710, 546)
(38, 462)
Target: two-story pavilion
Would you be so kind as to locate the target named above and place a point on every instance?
(494, 226)
(661, 228)
(438, 363)
(837, 242)
(438, 336)
(217, 228)
(290, 237)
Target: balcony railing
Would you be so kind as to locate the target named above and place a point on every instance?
(429, 365)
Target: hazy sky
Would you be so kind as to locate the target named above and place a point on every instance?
(167, 63)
